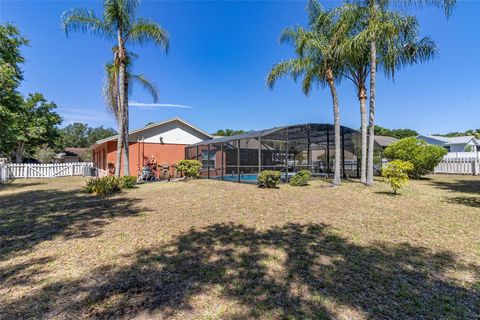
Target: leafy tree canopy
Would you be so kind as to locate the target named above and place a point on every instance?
(227, 132)
(471, 132)
(35, 124)
(10, 76)
(80, 135)
(396, 133)
(11, 41)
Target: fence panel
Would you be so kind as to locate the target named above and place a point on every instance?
(460, 165)
(46, 170)
(3, 173)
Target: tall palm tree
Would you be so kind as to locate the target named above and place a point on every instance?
(111, 94)
(398, 46)
(118, 22)
(316, 61)
(376, 8)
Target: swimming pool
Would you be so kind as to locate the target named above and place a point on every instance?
(252, 178)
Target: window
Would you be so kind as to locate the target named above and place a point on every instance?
(208, 159)
(447, 147)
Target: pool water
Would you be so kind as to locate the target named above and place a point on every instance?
(243, 177)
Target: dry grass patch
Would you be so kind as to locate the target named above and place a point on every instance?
(219, 250)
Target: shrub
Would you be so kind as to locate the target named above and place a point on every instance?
(103, 186)
(189, 168)
(301, 178)
(396, 173)
(269, 178)
(128, 182)
(424, 157)
(45, 154)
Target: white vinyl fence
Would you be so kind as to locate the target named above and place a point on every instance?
(460, 165)
(3, 173)
(50, 170)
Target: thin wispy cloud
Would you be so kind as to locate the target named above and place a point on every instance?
(71, 115)
(152, 106)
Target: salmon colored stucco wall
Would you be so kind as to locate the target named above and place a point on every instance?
(141, 153)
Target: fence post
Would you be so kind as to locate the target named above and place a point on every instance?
(25, 172)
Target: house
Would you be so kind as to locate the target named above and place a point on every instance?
(71, 155)
(453, 144)
(385, 141)
(159, 143)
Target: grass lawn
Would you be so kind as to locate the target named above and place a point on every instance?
(218, 250)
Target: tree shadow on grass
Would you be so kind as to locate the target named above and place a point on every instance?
(467, 201)
(30, 217)
(388, 193)
(10, 185)
(463, 186)
(293, 271)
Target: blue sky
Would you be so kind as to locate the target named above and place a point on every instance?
(220, 55)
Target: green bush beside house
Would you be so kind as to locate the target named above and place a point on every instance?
(190, 168)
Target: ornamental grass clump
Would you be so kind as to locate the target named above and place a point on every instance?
(269, 178)
(103, 186)
(301, 178)
(128, 182)
(396, 173)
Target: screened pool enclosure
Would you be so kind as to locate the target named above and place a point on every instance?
(288, 149)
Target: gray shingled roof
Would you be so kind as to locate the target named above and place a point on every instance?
(385, 141)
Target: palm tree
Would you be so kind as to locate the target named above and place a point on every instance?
(376, 9)
(111, 94)
(118, 22)
(316, 61)
(398, 46)
(110, 86)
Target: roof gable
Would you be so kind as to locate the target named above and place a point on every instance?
(179, 131)
(453, 140)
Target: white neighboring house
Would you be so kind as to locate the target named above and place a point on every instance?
(453, 144)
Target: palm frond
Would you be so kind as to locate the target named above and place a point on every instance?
(447, 5)
(144, 31)
(291, 67)
(146, 84)
(121, 13)
(110, 90)
(85, 21)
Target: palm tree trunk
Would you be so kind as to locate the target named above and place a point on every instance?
(122, 93)
(371, 122)
(336, 122)
(119, 117)
(118, 162)
(362, 96)
(126, 158)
